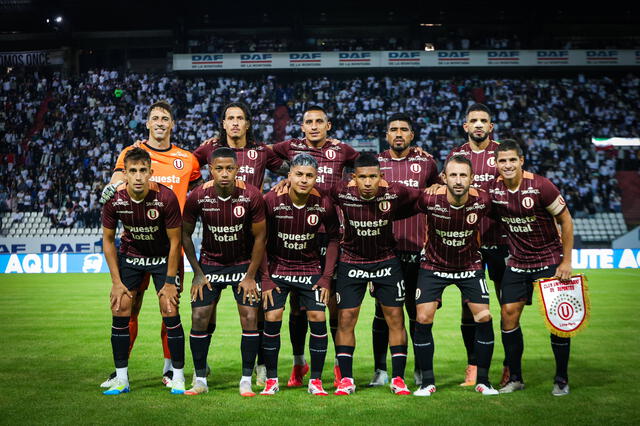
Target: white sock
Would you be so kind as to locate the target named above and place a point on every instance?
(178, 374)
(299, 360)
(203, 380)
(245, 379)
(167, 365)
(123, 374)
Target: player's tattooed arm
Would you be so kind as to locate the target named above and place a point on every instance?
(170, 291)
(566, 236)
(118, 289)
(199, 279)
(248, 285)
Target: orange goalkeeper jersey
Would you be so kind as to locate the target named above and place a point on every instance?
(173, 167)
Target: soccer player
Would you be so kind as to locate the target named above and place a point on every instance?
(294, 218)
(452, 256)
(370, 204)
(174, 167)
(530, 207)
(405, 164)
(233, 247)
(332, 157)
(150, 214)
(480, 149)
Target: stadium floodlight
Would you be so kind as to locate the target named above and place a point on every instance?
(58, 19)
(429, 47)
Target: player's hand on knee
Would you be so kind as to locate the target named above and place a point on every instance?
(118, 291)
(170, 293)
(109, 191)
(324, 293)
(197, 286)
(249, 290)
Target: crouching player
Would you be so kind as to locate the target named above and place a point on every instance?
(294, 218)
(233, 247)
(452, 256)
(150, 243)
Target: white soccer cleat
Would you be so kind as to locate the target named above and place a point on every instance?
(486, 389)
(315, 388)
(177, 386)
(261, 375)
(380, 378)
(399, 387)
(425, 390)
(271, 387)
(512, 386)
(198, 388)
(245, 388)
(167, 377)
(118, 387)
(560, 389)
(194, 378)
(346, 387)
(110, 381)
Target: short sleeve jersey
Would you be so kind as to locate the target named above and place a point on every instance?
(416, 170)
(174, 167)
(332, 158)
(368, 224)
(252, 161)
(145, 222)
(528, 216)
(227, 237)
(292, 246)
(484, 173)
(453, 231)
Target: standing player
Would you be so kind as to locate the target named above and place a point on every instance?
(293, 220)
(403, 164)
(177, 169)
(233, 247)
(452, 256)
(150, 244)
(332, 158)
(370, 205)
(480, 149)
(530, 207)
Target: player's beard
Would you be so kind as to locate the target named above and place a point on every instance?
(398, 148)
(478, 139)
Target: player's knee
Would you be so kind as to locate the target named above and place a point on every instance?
(200, 318)
(424, 318)
(482, 316)
(316, 316)
(249, 317)
(275, 315)
(347, 318)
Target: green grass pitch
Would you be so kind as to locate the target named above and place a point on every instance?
(56, 350)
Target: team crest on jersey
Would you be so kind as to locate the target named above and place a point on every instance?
(330, 154)
(472, 218)
(527, 202)
(313, 219)
(415, 168)
(252, 154)
(238, 211)
(491, 161)
(384, 206)
(152, 214)
(178, 164)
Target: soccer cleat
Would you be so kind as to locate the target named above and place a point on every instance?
(337, 376)
(399, 387)
(560, 388)
(193, 379)
(118, 387)
(110, 381)
(261, 375)
(197, 389)
(245, 388)
(417, 377)
(271, 387)
(425, 390)
(470, 375)
(315, 388)
(486, 389)
(167, 377)
(346, 387)
(380, 378)
(512, 386)
(297, 374)
(177, 386)
(505, 376)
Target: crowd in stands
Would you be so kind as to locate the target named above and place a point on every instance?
(61, 136)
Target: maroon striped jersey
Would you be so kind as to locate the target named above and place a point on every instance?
(368, 224)
(416, 170)
(528, 216)
(292, 245)
(484, 173)
(453, 236)
(145, 222)
(332, 158)
(226, 222)
(252, 161)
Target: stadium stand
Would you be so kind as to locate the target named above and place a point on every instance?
(61, 135)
